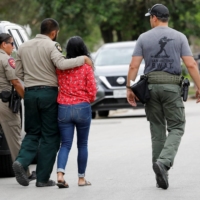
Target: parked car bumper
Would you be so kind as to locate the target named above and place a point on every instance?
(107, 99)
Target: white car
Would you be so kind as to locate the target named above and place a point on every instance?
(111, 68)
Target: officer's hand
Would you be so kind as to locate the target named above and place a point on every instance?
(198, 96)
(131, 98)
(88, 61)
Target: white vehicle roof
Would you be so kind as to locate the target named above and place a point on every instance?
(119, 44)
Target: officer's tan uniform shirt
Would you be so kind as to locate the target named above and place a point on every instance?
(7, 72)
(37, 60)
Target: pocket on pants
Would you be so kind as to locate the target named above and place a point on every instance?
(84, 113)
(173, 89)
(170, 89)
(180, 112)
(15, 123)
(63, 113)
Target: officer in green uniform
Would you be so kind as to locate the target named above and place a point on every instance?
(162, 49)
(36, 62)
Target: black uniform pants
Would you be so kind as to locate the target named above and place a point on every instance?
(41, 128)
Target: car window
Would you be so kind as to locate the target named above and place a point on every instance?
(19, 36)
(24, 34)
(114, 56)
(16, 35)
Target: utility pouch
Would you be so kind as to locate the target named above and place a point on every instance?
(15, 101)
(141, 90)
(5, 96)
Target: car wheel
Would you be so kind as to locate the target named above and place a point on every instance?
(6, 166)
(93, 115)
(103, 113)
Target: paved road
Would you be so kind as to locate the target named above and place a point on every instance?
(119, 165)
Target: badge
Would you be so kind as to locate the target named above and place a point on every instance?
(11, 62)
(58, 47)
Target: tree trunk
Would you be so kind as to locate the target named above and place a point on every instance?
(119, 36)
(106, 32)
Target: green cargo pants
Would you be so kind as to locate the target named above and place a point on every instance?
(42, 136)
(165, 110)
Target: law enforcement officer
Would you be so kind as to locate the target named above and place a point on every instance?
(161, 48)
(10, 122)
(36, 62)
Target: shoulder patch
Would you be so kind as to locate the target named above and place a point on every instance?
(11, 62)
(58, 47)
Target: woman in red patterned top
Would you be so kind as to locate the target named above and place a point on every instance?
(77, 91)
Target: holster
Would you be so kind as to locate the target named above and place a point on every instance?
(5, 96)
(15, 101)
(185, 88)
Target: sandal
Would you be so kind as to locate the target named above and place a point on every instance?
(87, 183)
(62, 184)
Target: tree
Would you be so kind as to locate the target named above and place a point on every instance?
(111, 20)
(20, 11)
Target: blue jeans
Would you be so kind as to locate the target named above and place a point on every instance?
(69, 117)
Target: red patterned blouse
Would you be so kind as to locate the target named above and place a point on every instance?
(76, 85)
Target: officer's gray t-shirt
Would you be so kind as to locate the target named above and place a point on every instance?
(162, 47)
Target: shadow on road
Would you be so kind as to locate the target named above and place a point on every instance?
(119, 117)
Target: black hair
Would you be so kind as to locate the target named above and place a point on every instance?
(5, 37)
(48, 25)
(76, 47)
(162, 19)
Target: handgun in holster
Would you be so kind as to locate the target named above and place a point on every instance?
(15, 101)
(185, 88)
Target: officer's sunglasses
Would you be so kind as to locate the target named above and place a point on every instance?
(12, 43)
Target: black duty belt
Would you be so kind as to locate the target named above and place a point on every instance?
(0, 95)
(40, 87)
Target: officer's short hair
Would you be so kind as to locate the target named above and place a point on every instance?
(5, 37)
(162, 19)
(48, 25)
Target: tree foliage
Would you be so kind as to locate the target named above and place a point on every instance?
(94, 20)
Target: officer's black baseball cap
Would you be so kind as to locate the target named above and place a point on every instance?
(159, 10)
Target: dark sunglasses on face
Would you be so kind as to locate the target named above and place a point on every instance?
(12, 43)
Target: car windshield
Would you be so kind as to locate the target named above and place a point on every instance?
(114, 56)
